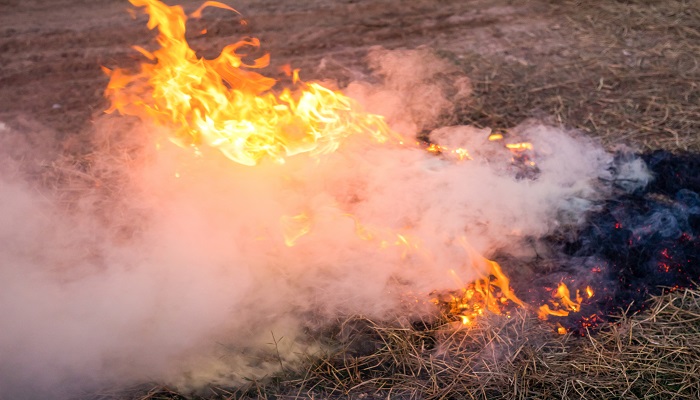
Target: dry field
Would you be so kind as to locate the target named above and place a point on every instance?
(623, 71)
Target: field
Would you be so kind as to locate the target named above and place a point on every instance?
(626, 72)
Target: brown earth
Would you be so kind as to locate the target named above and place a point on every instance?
(626, 71)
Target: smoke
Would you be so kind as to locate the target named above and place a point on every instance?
(418, 89)
(158, 263)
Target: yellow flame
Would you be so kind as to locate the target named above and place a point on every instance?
(520, 146)
(225, 104)
(462, 154)
(589, 292)
(562, 302)
(495, 136)
(459, 153)
(560, 329)
(295, 227)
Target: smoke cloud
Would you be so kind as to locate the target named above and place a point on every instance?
(156, 263)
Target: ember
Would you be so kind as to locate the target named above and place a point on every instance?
(640, 244)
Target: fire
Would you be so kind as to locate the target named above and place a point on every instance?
(563, 303)
(295, 227)
(560, 329)
(495, 136)
(589, 292)
(223, 103)
(520, 146)
(459, 153)
(490, 293)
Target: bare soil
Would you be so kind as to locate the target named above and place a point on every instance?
(625, 71)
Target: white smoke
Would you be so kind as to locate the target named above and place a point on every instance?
(173, 267)
(418, 88)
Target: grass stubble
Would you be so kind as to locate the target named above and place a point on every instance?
(649, 355)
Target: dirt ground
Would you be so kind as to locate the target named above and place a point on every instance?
(626, 71)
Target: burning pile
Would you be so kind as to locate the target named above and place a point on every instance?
(223, 103)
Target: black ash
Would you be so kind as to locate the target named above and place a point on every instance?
(637, 245)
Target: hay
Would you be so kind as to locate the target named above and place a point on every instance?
(650, 355)
(653, 354)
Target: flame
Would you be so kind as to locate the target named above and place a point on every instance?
(223, 103)
(589, 292)
(520, 146)
(460, 154)
(563, 303)
(560, 329)
(495, 136)
(295, 227)
(490, 293)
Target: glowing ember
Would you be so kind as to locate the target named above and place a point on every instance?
(495, 136)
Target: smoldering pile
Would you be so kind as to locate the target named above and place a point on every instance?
(636, 245)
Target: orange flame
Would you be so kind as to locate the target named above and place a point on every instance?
(489, 293)
(560, 329)
(562, 302)
(224, 104)
(495, 136)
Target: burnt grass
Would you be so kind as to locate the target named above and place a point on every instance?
(624, 71)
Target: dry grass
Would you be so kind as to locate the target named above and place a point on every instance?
(651, 355)
(632, 75)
